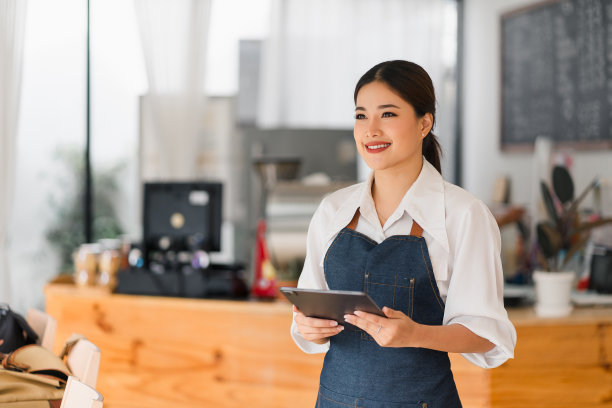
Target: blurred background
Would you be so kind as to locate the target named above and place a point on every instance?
(180, 147)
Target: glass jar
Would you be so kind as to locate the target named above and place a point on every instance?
(86, 264)
(110, 261)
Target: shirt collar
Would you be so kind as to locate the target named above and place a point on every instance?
(424, 202)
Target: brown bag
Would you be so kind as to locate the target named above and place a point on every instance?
(32, 376)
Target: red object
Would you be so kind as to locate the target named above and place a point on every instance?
(264, 284)
(583, 283)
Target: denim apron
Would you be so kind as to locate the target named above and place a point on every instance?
(357, 372)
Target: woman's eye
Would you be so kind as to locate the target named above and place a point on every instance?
(359, 116)
(388, 114)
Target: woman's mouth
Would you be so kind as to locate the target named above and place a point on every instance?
(376, 147)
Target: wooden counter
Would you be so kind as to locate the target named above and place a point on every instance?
(162, 352)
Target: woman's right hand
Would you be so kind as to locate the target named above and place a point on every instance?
(314, 329)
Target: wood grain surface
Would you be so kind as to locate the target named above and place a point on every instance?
(170, 352)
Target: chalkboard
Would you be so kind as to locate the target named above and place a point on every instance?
(557, 74)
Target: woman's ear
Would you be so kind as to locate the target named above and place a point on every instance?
(426, 123)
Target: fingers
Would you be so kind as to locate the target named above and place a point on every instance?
(365, 321)
(300, 319)
(392, 314)
(314, 329)
(318, 334)
(373, 324)
(369, 317)
(322, 332)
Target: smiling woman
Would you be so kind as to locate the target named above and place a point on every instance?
(395, 114)
(384, 122)
(392, 237)
(411, 90)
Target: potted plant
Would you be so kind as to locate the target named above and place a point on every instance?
(560, 238)
(66, 232)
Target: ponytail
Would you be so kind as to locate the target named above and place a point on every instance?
(432, 151)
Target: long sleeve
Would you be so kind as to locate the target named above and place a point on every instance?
(475, 293)
(312, 276)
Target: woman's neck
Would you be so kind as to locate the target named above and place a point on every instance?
(390, 185)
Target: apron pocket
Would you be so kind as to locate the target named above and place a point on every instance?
(330, 399)
(385, 404)
(398, 296)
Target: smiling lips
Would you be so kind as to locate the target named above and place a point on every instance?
(376, 147)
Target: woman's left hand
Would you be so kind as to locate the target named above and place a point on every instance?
(396, 330)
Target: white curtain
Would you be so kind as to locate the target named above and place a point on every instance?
(174, 38)
(12, 27)
(318, 49)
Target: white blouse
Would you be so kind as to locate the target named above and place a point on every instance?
(463, 241)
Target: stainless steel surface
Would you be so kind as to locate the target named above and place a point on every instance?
(271, 170)
(290, 207)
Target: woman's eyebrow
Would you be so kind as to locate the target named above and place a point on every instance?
(390, 105)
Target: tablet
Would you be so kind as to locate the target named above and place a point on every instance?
(330, 304)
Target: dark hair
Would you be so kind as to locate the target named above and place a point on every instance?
(412, 83)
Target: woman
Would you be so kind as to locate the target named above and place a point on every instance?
(426, 250)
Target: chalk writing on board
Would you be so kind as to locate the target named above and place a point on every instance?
(557, 73)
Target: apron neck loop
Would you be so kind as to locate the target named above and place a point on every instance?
(351, 225)
(416, 230)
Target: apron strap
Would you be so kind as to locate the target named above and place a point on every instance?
(416, 230)
(353, 224)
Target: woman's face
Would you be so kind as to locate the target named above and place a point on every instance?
(387, 131)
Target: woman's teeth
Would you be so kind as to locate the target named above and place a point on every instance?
(378, 146)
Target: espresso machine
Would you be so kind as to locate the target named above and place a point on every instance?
(181, 226)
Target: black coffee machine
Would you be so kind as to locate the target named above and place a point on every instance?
(601, 269)
(181, 226)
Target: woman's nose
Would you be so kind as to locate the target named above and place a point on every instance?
(373, 129)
